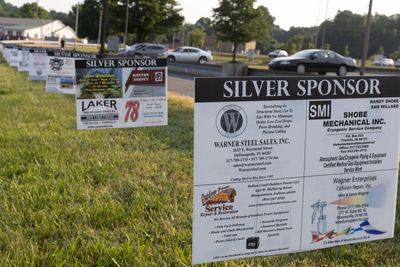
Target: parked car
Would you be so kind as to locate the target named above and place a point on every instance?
(315, 60)
(397, 63)
(144, 50)
(189, 54)
(383, 62)
(278, 53)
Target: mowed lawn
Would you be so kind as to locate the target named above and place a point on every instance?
(110, 197)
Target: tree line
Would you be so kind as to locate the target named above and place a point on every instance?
(233, 20)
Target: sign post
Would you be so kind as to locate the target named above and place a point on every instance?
(289, 164)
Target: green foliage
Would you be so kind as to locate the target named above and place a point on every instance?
(346, 51)
(380, 51)
(147, 18)
(295, 44)
(237, 21)
(28, 10)
(395, 54)
(196, 37)
(89, 18)
(8, 10)
(206, 24)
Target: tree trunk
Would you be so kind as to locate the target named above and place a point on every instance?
(234, 52)
(104, 22)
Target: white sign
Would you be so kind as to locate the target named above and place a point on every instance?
(61, 71)
(13, 57)
(23, 64)
(289, 164)
(38, 61)
(121, 93)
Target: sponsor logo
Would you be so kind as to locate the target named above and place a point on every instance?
(106, 103)
(159, 76)
(144, 77)
(219, 201)
(56, 64)
(231, 121)
(319, 110)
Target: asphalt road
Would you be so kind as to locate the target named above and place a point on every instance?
(181, 85)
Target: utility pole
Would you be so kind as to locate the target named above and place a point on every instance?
(37, 9)
(324, 28)
(366, 39)
(76, 23)
(103, 26)
(126, 24)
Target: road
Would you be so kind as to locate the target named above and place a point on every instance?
(181, 85)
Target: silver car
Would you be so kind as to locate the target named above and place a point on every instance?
(144, 50)
(189, 54)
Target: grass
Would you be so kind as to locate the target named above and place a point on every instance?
(110, 197)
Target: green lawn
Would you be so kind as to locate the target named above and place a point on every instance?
(110, 197)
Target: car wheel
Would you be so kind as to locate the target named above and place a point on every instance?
(202, 60)
(342, 71)
(171, 59)
(301, 68)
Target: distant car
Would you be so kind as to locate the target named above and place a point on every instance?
(315, 60)
(383, 62)
(144, 50)
(278, 53)
(189, 54)
(397, 63)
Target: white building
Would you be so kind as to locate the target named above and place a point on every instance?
(34, 29)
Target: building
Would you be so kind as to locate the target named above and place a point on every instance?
(34, 29)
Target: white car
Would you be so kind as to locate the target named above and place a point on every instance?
(397, 63)
(384, 62)
(189, 54)
(278, 53)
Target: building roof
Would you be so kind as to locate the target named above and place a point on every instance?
(22, 23)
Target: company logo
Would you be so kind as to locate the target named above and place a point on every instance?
(219, 201)
(221, 195)
(56, 64)
(231, 121)
(319, 110)
(159, 76)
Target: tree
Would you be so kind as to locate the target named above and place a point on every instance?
(237, 21)
(89, 18)
(148, 18)
(346, 51)
(196, 37)
(31, 10)
(295, 43)
(380, 51)
(65, 18)
(206, 24)
(8, 10)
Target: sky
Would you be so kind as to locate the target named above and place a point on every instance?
(287, 13)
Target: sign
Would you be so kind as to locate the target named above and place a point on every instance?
(61, 71)
(37, 69)
(23, 64)
(289, 164)
(113, 43)
(14, 56)
(121, 93)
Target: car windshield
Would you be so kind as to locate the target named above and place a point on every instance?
(179, 49)
(303, 53)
